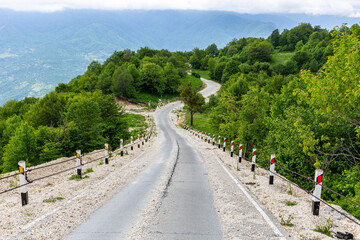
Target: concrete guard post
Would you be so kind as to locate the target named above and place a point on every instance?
(121, 148)
(22, 179)
(219, 141)
(240, 152)
(213, 139)
(224, 146)
(272, 169)
(132, 143)
(106, 153)
(317, 191)
(253, 161)
(232, 149)
(138, 141)
(78, 162)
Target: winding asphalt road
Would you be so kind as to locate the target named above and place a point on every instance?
(187, 211)
(187, 208)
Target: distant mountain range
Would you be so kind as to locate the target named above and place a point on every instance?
(40, 50)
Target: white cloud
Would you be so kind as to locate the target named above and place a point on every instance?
(333, 7)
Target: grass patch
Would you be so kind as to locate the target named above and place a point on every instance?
(281, 57)
(53, 199)
(101, 163)
(286, 222)
(77, 177)
(137, 125)
(200, 121)
(88, 170)
(196, 82)
(202, 73)
(290, 203)
(326, 229)
(27, 213)
(290, 192)
(13, 183)
(152, 98)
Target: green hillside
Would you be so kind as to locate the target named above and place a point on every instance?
(296, 95)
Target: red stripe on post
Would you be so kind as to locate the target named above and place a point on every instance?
(273, 160)
(254, 152)
(319, 179)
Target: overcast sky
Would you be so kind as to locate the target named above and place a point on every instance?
(350, 8)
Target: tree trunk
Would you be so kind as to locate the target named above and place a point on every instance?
(191, 118)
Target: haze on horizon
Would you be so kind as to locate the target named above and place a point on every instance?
(348, 8)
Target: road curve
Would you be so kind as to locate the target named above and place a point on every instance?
(211, 87)
(187, 210)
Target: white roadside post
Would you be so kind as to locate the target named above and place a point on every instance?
(146, 137)
(240, 152)
(142, 140)
(202, 135)
(219, 141)
(121, 148)
(272, 169)
(209, 138)
(78, 162)
(205, 137)
(106, 153)
(198, 134)
(224, 146)
(232, 149)
(132, 143)
(317, 192)
(138, 141)
(253, 161)
(23, 181)
(213, 140)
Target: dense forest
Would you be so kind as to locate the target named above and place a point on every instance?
(83, 114)
(295, 94)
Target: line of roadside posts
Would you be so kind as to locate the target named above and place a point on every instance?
(24, 181)
(318, 172)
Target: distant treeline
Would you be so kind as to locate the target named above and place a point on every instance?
(83, 114)
(295, 94)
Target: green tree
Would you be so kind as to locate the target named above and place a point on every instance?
(212, 50)
(152, 78)
(193, 100)
(211, 67)
(22, 146)
(47, 111)
(123, 83)
(274, 38)
(335, 90)
(259, 50)
(172, 78)
(85, 132)
(218, 72)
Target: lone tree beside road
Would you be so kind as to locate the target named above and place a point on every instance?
(193, 100)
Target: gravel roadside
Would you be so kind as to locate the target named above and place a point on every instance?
(57, 205)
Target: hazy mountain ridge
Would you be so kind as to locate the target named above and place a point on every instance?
(40, 50)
